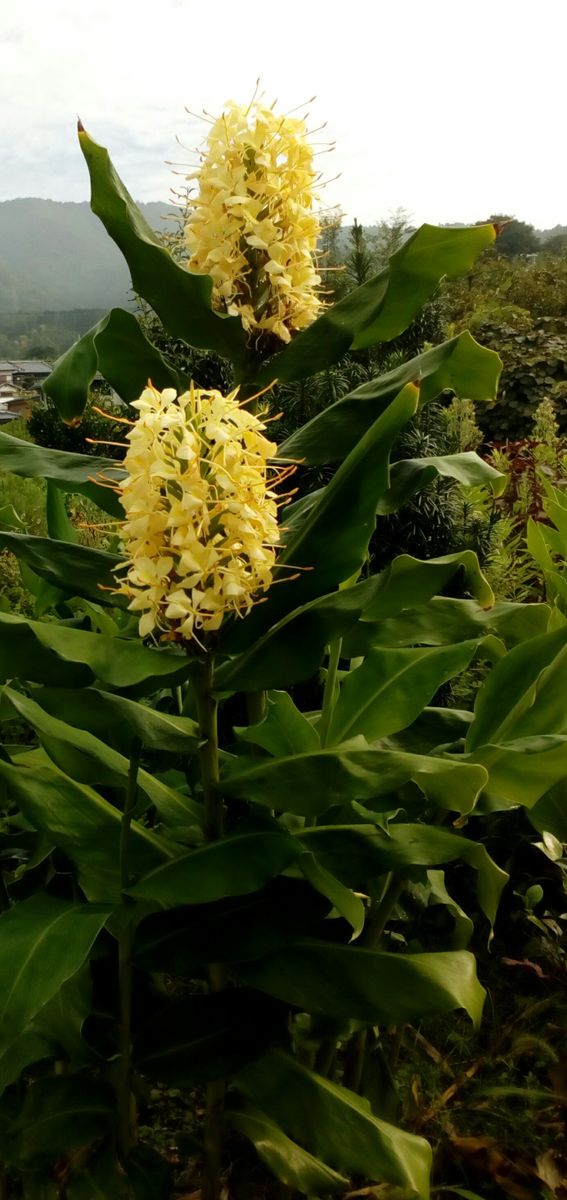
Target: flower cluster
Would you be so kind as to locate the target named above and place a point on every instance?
(201, 518)
(253, 227)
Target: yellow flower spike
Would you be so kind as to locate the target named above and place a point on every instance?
(253, 227)
(201, 521)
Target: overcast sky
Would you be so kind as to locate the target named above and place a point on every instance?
(451, 109)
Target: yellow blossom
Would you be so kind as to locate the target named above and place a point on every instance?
(253, 227)
(201, 518)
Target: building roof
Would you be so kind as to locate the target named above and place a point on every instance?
(29, 366)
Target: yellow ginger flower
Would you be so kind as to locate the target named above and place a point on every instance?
(253, 227)
(201, 518)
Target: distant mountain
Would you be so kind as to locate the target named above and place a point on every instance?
(57, 256)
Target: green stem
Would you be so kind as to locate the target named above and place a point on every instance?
(256, 707)
(380, 911)
(355, 1059)
(331, 691)
(125, 937)
(207, 708)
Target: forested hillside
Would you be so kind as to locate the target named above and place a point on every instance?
(56, 256)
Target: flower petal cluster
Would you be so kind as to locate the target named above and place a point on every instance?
(253, 226)
(201, 519)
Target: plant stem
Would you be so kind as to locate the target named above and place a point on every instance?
(125, 935)
(207, 708)
(380, 911)
(330, 692)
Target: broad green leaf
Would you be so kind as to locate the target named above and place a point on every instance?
(522, 771)
(181, 940)
(181, 299)
(71, 472)
(76, 570)
(391, 687)
(435, 727)
(549, 814)
(119, 719)
(43, 652)
(58, 524)
(293, 648)
(309, 784)
(58, 1115)
(290, 1163)
(116, 347)
(358, 853)
(368, 985)
(284, 730)
(530, 679)
(102, 1178)
(459, 365)
(444, 620)
(197, 1038)
(83, 825)
(240, 863)
(342, 898)
(86, 759)
(23, 1051)
(43, 943)
(411, 475)
(537, 545)
(383, 307)
(438, 894)
(331, 541)
(334, 1124)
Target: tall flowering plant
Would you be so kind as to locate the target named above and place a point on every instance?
(203, 857)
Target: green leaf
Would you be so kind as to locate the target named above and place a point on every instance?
(358, 853)
(383, 307)
(292, 649)
(181, 299)
(43, 652)
(181, 940)
(116, 347)
(83, 825)
(284, 729)
(391, 687)
(76, 570)
(411, 475)
(330, 542)
(58, 1116)
(368, 985)
(120, 720)
(549, 814)
(23, 1051)
(334, 1124)
(88, 760)
(43, 943)
(309, 784)
(75, 473)
(240, 863)
(347, 904)
(58, 523)
(438, 894)
(531, 678)
(443, 620)
(290, 1163)
(522, 771)
(459, 365)
(197, 1038)
(100, 1179)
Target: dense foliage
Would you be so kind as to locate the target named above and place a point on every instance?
(223, 858)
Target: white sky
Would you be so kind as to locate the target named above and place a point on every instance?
(452, 110)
